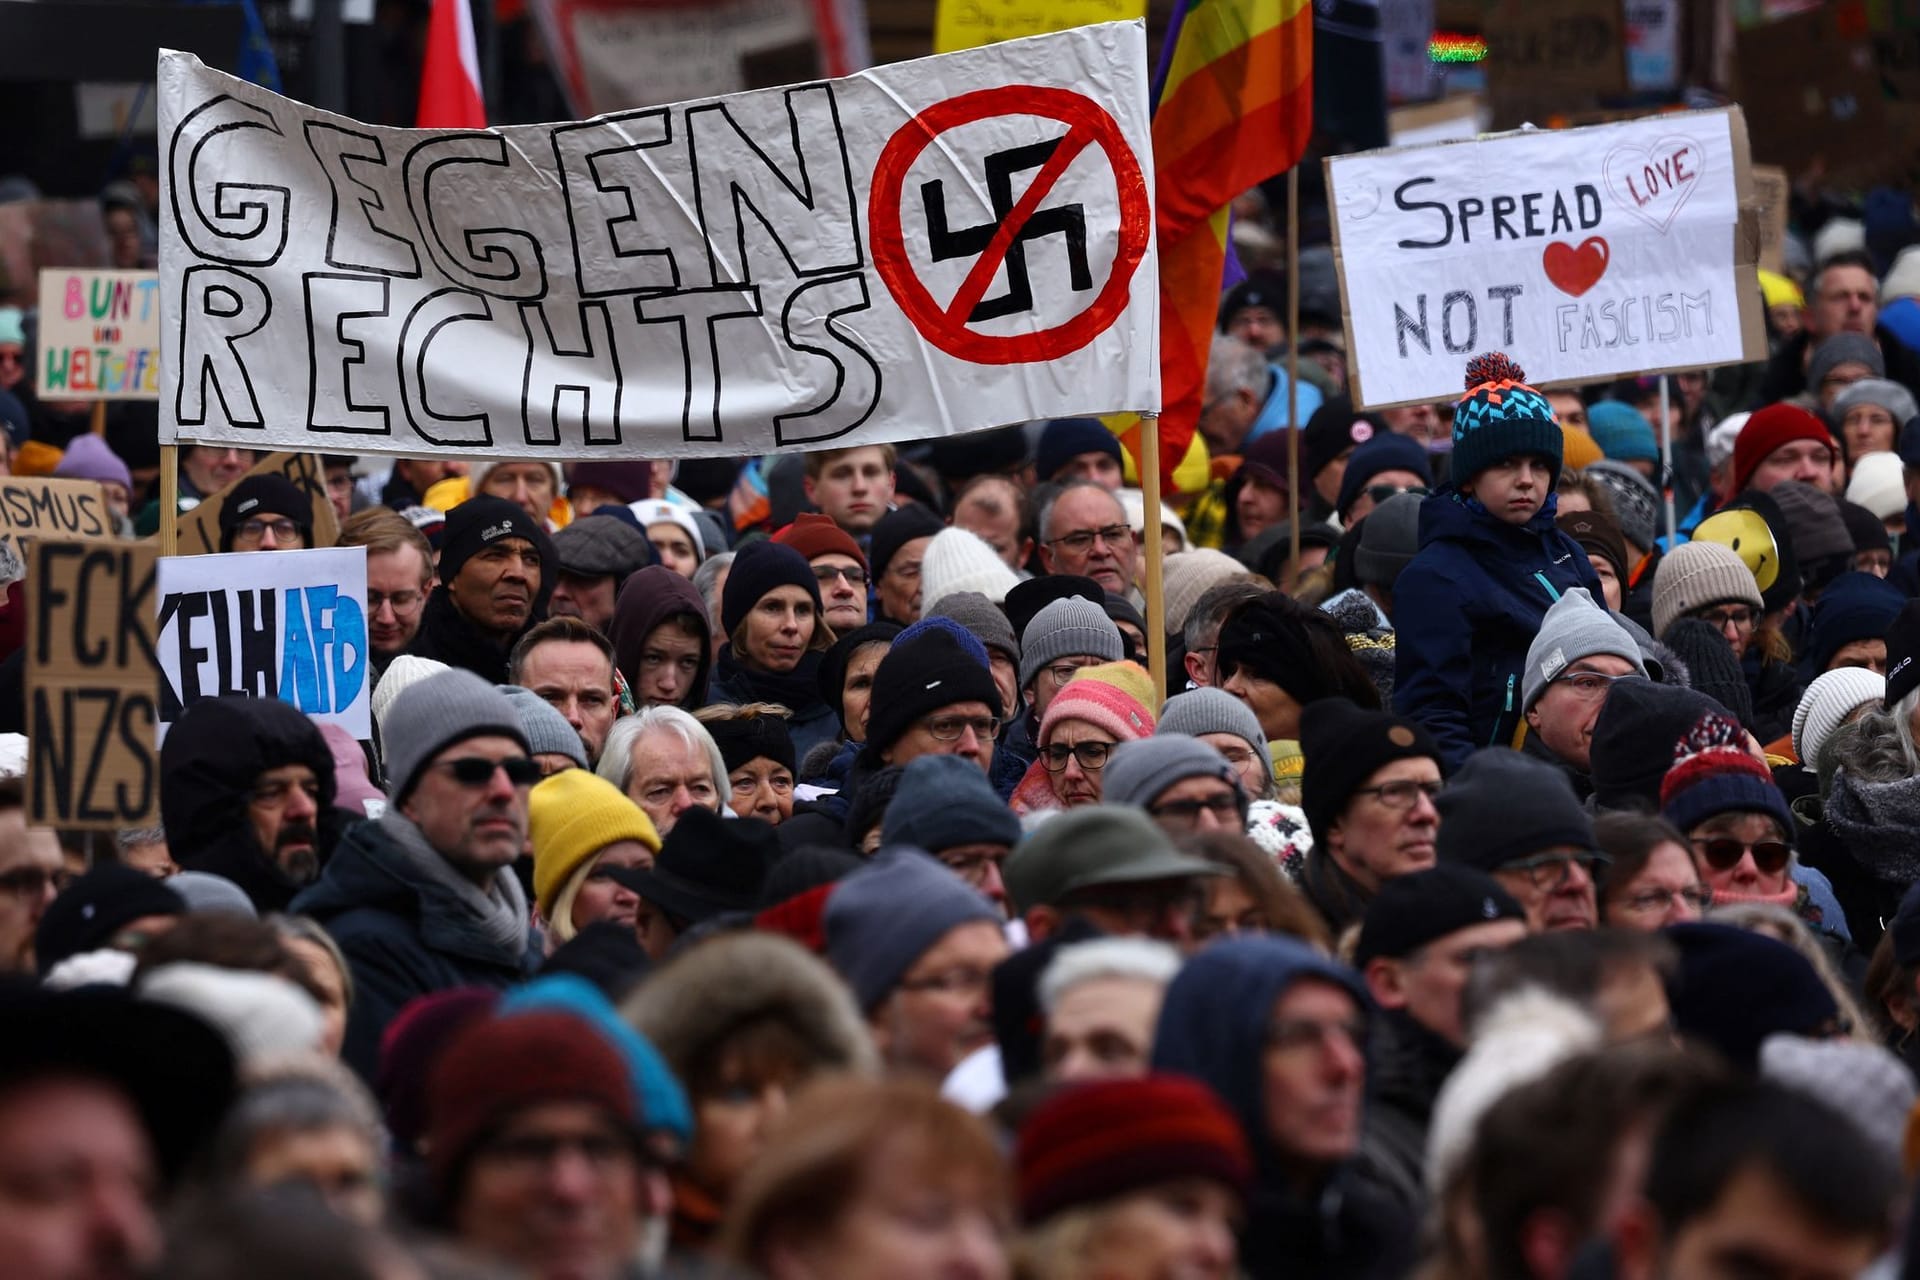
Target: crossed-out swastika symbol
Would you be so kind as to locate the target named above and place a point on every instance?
(969, 242)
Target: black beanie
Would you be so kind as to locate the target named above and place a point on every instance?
(478, 521)
(746, 738)
(926, 673)
(1735, 987)
(98, 905)
(895, 530)
(1711, 667)
(1903, 654)
(1634, 735)
(1502, 807)
(264, 495)
(1412, 910)
(1868, 531)
(1333, 429)
(1343, 746)
(759, 568)
(1269, 636)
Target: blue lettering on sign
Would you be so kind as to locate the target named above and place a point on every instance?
(323, 661)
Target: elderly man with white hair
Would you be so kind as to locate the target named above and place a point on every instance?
(666, 762)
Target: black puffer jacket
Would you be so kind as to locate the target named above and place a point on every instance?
(212, 757)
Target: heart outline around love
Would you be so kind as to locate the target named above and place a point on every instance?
(1573, 270)
(1627, 162)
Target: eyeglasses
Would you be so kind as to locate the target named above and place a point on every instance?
(402, 601)
(1092, 756)
(282, 530)
(972, 867)
(1650, 900)
(1114, 535)
(1224, 806)
(32, 882)
(535, 1152)
(477, 771)
(1381, 492)
(1740, 616)
(1551, 870)
(954, 982)
(1062, 672)
(1589, 685)
(1401, 794)
(1723, 853)
(949, 728)
(824, 574)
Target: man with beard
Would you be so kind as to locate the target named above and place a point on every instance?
(247, 792)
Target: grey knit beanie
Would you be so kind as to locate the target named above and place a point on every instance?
(1695, 575)
(1574, 628)
(1844, 348)
(943, 802)
(982, 617)
(1889, 395)
(1064, 629)
(891, 912)
(545, 729)
(1189, 575)
(1138, 772)
(1208, 710)
(433, 714)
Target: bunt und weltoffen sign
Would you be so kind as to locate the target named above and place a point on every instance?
(921, 249)
(1583, 253)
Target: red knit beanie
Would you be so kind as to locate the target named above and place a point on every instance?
(817, 535)
(1767, 430)
(1094, 1141)
(501, 1065)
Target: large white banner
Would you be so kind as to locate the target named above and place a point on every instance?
(1583, 253)
(926, 248)
(290, 625)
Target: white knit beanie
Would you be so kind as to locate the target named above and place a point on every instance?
(259, 1013)
(1724, 435)
(1696, 575)
(1134, 503)
(1879, 484)
(1903, 277)
(401, 672)
(477, 469)
(1517, 1042)
(1830, 702)
(1839, 235)
(659, 511)
(1189, 575)
(960, 560)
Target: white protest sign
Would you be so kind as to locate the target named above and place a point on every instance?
(270, 624)
(926, 248)
(1582, 253)
(99, 335)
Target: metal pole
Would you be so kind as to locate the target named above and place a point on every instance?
(1156, 594)
(1666, 458)
(1293, 369)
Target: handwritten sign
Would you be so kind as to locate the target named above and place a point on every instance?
(1543, 59)
(35, 506)
(269, 624)
(1584, 254)
(200, 527)
(91, 680)
(968, 24)
(1774, 195)
(925, 248)
(99, 335)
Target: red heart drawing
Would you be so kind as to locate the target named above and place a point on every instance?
(1574, 271)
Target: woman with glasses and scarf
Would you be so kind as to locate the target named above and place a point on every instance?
(1098, 707)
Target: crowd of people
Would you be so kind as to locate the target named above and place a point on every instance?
(788, 867)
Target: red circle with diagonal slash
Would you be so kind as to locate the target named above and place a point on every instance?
(945, 327)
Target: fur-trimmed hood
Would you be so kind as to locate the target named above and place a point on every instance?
(711, 990)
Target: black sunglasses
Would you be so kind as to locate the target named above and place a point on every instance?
(1723, 853)
(477, 771)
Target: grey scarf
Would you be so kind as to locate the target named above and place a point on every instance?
(1879, 824)
(456, 914)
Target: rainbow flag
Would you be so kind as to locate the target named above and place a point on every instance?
(1235, 108)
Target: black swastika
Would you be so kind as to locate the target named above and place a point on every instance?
(969, 242)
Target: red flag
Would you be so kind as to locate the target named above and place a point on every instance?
(450, 77)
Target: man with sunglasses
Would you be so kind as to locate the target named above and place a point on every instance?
(424, 898)
(1574, 661)
(1517, 819)
(1385, 465)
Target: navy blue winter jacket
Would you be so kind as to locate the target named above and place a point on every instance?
(1464, 612)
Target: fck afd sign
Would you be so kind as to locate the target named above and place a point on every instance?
(924, 248)
(1583, 253)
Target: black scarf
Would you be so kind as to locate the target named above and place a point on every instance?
(797, 690)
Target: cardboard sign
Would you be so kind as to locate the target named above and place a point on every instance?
(200, 527)
(99, 335)
(1773, 195)
(922, 249)
(1832, 114)
(1547, 58)
(968, 24)
(41, 506)
(269, 624)
(616, 54)
(1583, 254)
(91, 683)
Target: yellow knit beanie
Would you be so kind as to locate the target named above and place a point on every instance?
(572, 816)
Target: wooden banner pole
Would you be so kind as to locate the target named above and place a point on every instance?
(1150, 531)
(1293, 372)
(169, 499)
